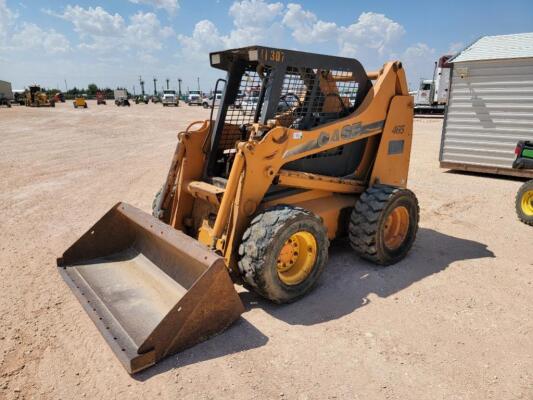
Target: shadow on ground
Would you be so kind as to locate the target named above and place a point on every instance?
(241, 336)
(347, 280)
(344, 287)
(487, 175)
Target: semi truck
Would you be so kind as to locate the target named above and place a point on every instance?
(170, 98)
(432, 94)
(194, 98)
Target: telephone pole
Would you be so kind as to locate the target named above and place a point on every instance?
(141, 82)
(155, 86)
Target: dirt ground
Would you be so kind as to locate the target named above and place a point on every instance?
(454, 320)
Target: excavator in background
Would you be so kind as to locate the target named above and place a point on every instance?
(35, 97)
(253, 197)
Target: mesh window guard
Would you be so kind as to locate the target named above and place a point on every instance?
(309, 98)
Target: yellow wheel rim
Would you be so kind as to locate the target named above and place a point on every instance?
(396, 228)
(527, 203)
(296, 258)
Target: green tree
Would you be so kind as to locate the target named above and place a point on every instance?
(92, 89)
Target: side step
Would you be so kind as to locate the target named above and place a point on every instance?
(151, 290)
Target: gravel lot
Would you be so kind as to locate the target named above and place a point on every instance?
(454, 320)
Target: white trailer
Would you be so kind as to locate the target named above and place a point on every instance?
(6, 94)
(491, 105)
(121, 97)
(120, 94)
(432, 95)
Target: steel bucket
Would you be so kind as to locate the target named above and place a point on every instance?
(151, 290)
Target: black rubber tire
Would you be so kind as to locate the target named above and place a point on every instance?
(367, 223)
(522, 216)
(262, 242)
(155, 212)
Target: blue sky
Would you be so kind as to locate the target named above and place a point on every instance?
(111, 43)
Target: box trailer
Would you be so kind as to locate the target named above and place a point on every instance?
(490, 106)
(121, 97)
(6, 94)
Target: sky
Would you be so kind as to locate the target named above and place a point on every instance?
(112, 43)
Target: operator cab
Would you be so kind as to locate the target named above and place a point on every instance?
(297, 90)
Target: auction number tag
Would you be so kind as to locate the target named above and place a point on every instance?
(273, 55)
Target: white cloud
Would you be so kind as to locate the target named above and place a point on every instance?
(254, 13)
(94, 21)
(7, 19)
(254, 22)
(418, 51)
(306, 27)
(32, 37)
(105, 32)
(145, 31)
(373, 38)
(370, 38)
(456, 47)
(419, 61)
(147, 58)
(205, 38)
(170, 6)
(28, 36)
(372, 31)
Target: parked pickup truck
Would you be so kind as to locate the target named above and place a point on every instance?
(208, 101)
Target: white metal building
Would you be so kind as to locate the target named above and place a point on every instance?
(490, 106)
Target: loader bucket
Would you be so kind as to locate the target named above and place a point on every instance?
(150, 289)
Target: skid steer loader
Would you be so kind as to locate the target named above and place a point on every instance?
(253, 197)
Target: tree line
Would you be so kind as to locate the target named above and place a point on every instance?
(90, 91)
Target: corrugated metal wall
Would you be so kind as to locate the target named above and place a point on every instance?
(489, 110)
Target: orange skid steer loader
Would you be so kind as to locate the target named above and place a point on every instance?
(305, 148)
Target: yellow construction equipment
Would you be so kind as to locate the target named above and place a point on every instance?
(305, 148)
(80, 102)
(37, 98)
